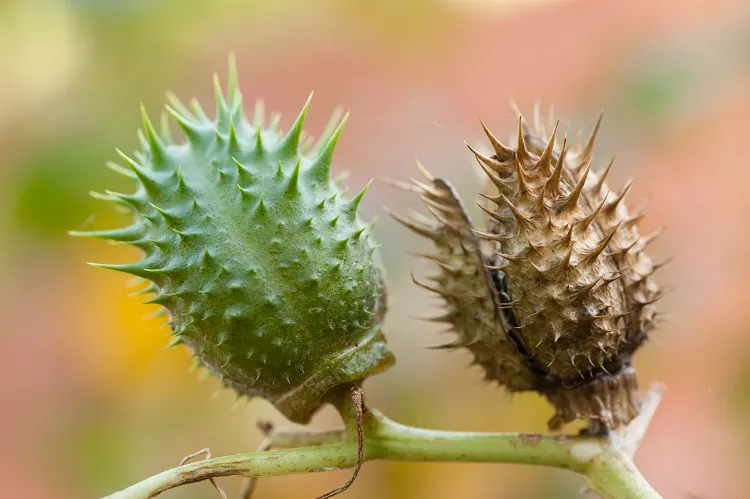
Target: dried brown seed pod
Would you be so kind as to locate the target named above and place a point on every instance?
(556, 294)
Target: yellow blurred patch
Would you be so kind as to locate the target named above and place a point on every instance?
(121, 343)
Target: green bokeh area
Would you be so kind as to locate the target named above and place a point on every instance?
(47, 199)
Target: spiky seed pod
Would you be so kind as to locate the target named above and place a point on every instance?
(263, 265)
(566, 290)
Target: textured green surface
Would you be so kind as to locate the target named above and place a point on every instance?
(266, 271)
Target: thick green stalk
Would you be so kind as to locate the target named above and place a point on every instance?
(608, 470)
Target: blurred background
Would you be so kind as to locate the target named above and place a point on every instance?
(91, 402)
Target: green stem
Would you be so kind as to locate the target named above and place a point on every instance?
(607, 468)
(613, 475)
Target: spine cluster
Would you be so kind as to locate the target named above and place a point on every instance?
(257, 256)
(563, 268)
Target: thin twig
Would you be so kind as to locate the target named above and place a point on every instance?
(357, 398)
(207, 452)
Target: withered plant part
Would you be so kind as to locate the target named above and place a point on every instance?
(555, 294)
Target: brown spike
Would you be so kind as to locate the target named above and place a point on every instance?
(522, 153)
(522, 221)
(508, 306)
(594, 252)
(492, 237)
(447, 317)
(440, 291)
(421, 219)
(571, 201)
(617, 317)
(495, 199)
(443, 265)
(493, 164)
(552, 184)
(496, 267)
(567, 240)
(419, 228)
(624, 249)
(535, 247)
(500, 217)
(612, 206)
(523, 183)
(440, 218)
(540, 202)
(502, 185)
(600, 344)
(545, 160)
(428, 256)
(588, 148)
(420, 185)
(615, 276)
(563, 151)
(539, 269)
(456, 344)
(424, 171)
(634, 219)
(597, 187)
(653, 300)
(646, 240)
(590, 361)
(502, 152)
(400, 185)
(429, 190)
(573, 361)
(437, 205)
(565, 261)
(584, 223)
(586, 288)
(511, 258)
(658, 265)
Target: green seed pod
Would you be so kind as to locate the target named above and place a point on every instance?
(262, 263)
(557, 294)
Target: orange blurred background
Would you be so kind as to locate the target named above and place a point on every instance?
(91, 402)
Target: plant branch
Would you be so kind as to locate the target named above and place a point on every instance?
(605, 463)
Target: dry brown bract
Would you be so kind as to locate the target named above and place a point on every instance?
(556, 294)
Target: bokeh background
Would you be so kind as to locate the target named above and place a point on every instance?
(91, 402)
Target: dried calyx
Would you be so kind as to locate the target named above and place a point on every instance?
(555, 294)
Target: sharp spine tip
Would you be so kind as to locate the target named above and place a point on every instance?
(353, 204)
(155, 143)
(571, 201)
(545, 160)
(290, 144)
(552, 185)
(522, 152)
(502, 151)
(588, 148)
(612, 206)
(192, 130)
(320, 170)
(292, 186)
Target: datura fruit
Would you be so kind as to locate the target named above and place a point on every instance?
(261, 262)
(555, 295)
